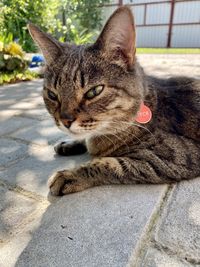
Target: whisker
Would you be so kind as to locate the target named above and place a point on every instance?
(109, 140)
(129, 133)
(121, 140)
(135, 125)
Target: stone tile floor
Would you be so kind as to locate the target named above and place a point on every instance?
(110, 226)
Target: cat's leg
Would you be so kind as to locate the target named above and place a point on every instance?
(70, 149)
(104, 171)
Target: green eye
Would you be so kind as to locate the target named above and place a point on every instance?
(94, 92)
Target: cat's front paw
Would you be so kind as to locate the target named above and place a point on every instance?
(64, 182)
(70, 149)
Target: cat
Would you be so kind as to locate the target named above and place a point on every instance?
(94, 93)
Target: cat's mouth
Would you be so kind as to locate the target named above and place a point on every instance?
(77, 132)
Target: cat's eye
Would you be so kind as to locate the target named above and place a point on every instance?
(52, 95)
(94, 92)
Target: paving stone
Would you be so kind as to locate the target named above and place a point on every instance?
(20, 99)
(179, 227)
(22, 105)
(33, 172)
(40, 132)
(12, 124)
(14, 208)
(10, 151)
(37, 113)
(20, 91)
(12, 248)
(155, 258)
(166, 65)
(100, 226)
(8, 113)
(94, 228)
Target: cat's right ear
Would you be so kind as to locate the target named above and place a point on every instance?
(50, 47)
(117, 40)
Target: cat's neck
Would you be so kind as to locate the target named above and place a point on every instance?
(131, 132)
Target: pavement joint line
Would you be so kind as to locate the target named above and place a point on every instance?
(6, 135)
(25, 156)
(20, 228)
(171, 254)
(52, 142)
(160, 247)
(21, 191)
(18, 128)
(145, 240)
(13, 162)
(25, 142)
(28, 117)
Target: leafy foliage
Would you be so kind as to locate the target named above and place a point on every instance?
(16, 13)
(13, 65)
(12, 57)
(69, 20)
(14, 49)
(17, 76)
(81, 18)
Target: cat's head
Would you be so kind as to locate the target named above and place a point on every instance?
(92, 90)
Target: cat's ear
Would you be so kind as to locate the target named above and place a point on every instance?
(118, 36)
(50, 47)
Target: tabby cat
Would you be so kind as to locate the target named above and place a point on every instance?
(94, 93)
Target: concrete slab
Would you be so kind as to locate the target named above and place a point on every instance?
(179, 226)
(11, 151)
(12, 248)
(155, 258)
(14, 209)
(33, 172)
(40, 133)
(20, 91)
(8, 113)
(165, 65)
(97, 227)
(21, 98)
(14, 123)
(37, 113)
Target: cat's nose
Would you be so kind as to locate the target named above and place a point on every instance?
(67, 119)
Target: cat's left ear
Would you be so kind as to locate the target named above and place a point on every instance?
(118, 37)
(50, 47)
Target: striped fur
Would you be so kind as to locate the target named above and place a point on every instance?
(165, 150)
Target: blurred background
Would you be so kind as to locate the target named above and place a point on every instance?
(163, 26)
(163, 23)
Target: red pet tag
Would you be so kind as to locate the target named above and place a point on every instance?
(144, 115)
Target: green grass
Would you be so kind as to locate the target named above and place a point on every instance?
(168, 50)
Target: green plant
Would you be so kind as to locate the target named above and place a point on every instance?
(68, 20)
(17, 76)
(81, 20)
(13, 66)
(12, 57)
(15, 14)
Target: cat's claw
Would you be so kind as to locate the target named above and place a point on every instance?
(56, 183)
(63, 182)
